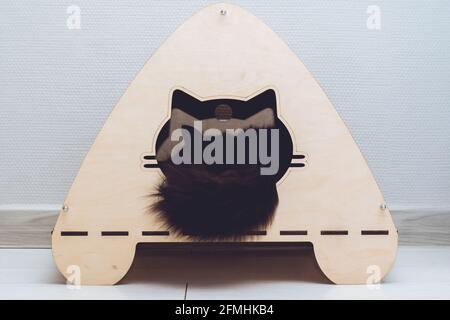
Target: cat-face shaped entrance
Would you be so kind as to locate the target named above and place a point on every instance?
(221, 158)
(245, 131)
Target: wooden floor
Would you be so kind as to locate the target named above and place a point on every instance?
(419, 273)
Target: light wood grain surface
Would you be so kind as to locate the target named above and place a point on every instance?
(233, 56)
(31, 229)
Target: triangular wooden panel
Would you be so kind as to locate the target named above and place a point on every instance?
(332, 202)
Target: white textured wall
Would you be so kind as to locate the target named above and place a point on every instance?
(391, 86)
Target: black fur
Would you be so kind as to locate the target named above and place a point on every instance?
(215, 201)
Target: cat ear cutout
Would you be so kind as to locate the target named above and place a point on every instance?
(265, 99)
(328, 197)
(184, 101)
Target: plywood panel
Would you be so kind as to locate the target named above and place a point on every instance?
(334, 198)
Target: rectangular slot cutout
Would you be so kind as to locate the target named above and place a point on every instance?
(374, 232)
(297, 165)
(74, 233)
(298, 156)
(114, 233)
(155, 233)
(151, 165)
(293, 233)
(334, 232)
(149, 157)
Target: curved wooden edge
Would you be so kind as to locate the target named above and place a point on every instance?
(99, 262)
(346, 261)
(107, 261)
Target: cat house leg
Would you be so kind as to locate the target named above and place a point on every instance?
(92, 260)
(356, 258)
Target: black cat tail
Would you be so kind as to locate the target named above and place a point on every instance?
(197, 201)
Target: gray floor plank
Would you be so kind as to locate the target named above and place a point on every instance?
(419, 273)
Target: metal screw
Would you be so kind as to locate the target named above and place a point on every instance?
(223, 12)
(65, 208)
(383, 206)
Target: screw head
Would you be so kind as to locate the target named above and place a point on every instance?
(65, 208)
(383, 206)
(223, 12)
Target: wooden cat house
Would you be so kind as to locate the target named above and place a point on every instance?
(327, 194)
